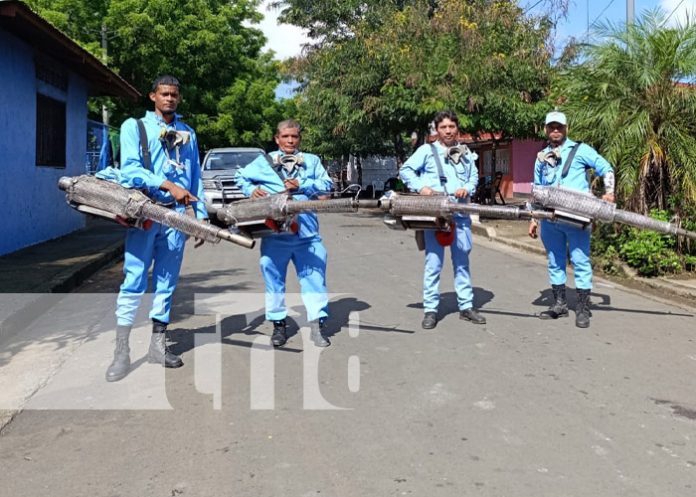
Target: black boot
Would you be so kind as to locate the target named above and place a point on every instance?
(559, 308)
(316, 335)
(120, 367)
(582, 309)
(159, 352)
(279, 336)
(429, 320)
(472, 315)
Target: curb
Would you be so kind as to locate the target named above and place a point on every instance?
(64, 282)
(490, 233)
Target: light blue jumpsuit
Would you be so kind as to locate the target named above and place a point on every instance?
(559, 238)
(304, 248)
(421, 170)
(160, 244)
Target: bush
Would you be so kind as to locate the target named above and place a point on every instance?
(648, 252)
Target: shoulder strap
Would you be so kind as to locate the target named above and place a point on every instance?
(438, 163)
(147, 161)
(571, 156)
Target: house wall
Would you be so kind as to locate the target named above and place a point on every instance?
(35, 209)
(523, 154)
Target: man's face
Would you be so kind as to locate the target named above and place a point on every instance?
(166, 99)
(556, 132)
(447, 132)
(288, 140)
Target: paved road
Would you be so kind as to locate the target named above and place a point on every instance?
(519, 407)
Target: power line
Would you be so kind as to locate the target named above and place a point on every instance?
(603, 11)
(530, 8)
(673, 11)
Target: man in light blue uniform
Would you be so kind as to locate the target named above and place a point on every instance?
(565, 163)
(169, 176)
(304, 176)
(422, 173)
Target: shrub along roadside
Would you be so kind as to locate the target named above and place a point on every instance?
(648, 252)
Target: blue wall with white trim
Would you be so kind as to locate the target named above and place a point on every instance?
(34, 209)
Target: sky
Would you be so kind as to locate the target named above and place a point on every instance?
(286, 40)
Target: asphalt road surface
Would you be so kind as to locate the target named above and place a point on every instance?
(519, 407)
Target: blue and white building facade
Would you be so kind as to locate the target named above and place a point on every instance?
(45, 80)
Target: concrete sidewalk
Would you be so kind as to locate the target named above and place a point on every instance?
(29, 275)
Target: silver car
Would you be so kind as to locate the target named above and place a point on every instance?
(218, 170)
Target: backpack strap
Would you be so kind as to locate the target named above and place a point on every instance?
(571, 156)
(147, 161)
(438, 163)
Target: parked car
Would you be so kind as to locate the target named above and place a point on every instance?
(218, 170)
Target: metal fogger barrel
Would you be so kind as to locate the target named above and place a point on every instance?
(587, 205)
(107, 199)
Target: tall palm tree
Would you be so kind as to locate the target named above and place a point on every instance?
(633, 96)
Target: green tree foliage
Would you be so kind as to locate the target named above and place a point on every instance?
(632, 97)
(378, 75)
(227, 85)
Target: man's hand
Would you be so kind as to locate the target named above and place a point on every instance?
(200, 241)
(181, 195)
(533, 229)
(609, 197)
(259, 193)
(291, 184)
(426, 190)
(461, 193)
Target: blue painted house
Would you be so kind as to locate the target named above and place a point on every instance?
(45, 80)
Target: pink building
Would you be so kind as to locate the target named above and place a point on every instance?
(514, 158)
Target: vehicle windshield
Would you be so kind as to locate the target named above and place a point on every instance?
(229, 160)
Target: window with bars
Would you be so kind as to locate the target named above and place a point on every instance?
(50, 131)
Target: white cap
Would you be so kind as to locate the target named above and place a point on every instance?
(556, 117)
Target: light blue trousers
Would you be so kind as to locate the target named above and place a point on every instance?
(434, 258)
(559, 239)
(309, 258)
(162, 246)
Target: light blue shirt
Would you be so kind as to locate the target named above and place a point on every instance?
(586, 157)
(135, 175)
(420, 170)
(313, 181)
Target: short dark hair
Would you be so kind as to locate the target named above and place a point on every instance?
(445, 114)
(166, 80)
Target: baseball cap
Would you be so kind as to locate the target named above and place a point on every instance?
(556, 117)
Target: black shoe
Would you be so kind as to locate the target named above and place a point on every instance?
(472, 315)
(316, 335)
(159, 352)
(429, 320)
(559, 308)
(120, 367)
(279, 336)
(582, 309)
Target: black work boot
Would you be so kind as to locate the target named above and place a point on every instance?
(429, 320)
(120, 367)
(316, 336)
(279, 336)
(472, 315)
(582, 309)
(559, 308)
(159, 352)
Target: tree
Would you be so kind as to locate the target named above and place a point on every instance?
(388, 70)
(207, 44)
(633, 97)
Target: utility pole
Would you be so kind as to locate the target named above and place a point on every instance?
(630, 11)
(105, 57)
